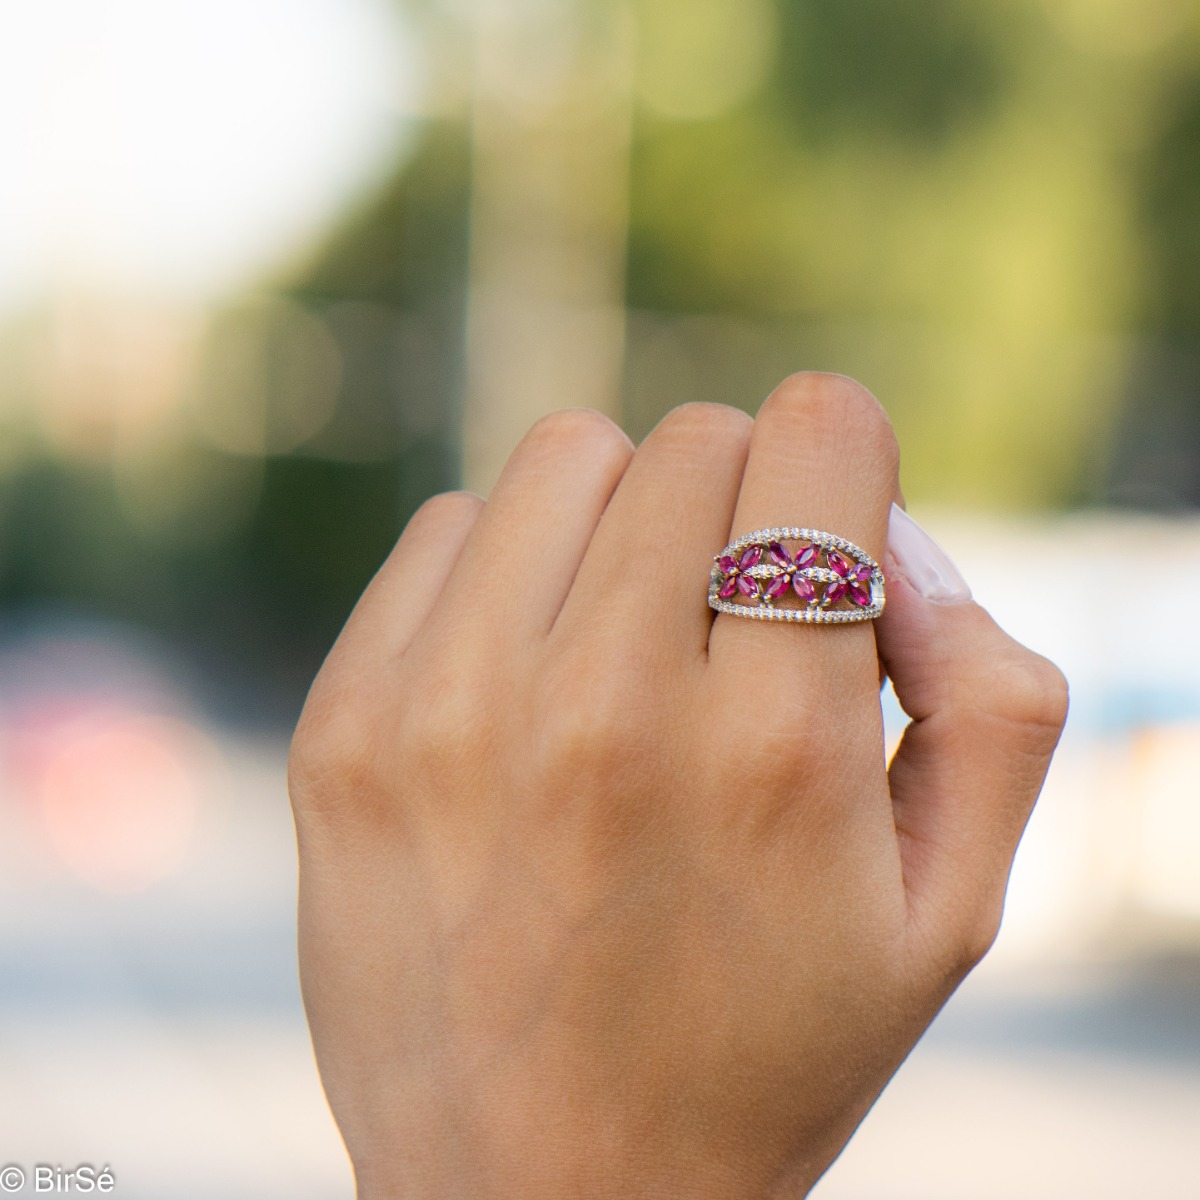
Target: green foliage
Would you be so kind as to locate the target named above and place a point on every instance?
(912, 72)
(986, 212)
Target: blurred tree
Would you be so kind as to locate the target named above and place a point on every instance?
(256, 557)
(986, 212)
(913, 72)
(933, 198)
(1154, 457)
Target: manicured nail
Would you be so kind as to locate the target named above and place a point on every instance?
(923, 562)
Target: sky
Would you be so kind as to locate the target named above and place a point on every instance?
(186, 147)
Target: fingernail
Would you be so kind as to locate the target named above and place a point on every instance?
(923, 562)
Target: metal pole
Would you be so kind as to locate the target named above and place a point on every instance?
(551, 115)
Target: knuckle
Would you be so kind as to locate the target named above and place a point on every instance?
(1030, 692)
(331, 757)
(577, 742)
(590, 725)
(439, 736)
(958, 933)
(778, 756)
(841, 407)
(447, 508)
(974, 937)
(764, 755)
(569, 429)
(705, 423)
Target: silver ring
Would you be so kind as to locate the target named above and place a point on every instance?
(824, 580)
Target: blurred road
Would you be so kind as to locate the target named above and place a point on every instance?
(161, 1033)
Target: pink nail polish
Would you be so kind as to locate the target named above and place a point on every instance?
(923, 562)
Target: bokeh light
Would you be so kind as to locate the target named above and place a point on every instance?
(104, 768)
(116, 792)
(187, 146)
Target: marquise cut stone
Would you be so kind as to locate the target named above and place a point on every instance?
(835, 591)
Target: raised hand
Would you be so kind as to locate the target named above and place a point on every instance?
(602, 894)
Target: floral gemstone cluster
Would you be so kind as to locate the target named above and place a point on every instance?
(791, 572)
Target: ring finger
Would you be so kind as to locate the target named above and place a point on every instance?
(822, 456)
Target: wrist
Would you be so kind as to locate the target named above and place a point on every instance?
(534, 1151)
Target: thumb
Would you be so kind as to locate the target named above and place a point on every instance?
(986, 716)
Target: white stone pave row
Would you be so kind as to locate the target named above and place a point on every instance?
(770, 570)
(827, 541)
(813, 615)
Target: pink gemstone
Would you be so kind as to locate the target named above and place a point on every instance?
(776, 587)
(779, 555)
(861, 572)
(727, 565)
(728, 588)
(807, 556)
(859, 595)
(838, 564)
(751, 558)
(747, 586)
(804, 589)
(834, 592)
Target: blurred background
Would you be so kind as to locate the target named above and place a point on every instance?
(272, 273)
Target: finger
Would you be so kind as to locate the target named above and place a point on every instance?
(646, 572)
(405, 590)
(822, 456)
(986, 716)
(524, 551)
(348, 702)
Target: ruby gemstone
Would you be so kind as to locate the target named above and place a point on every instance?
(861, 573)
(728, 588)
(859, 595)
(776, 587)
(804, 589)
(807, 556)
(747, 586)
(727, 565)
(838, 564)
(779, 555)
(834, 591)
(751, 558)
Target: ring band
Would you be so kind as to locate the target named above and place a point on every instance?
(758, 577)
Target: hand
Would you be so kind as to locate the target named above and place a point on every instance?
(602, 897)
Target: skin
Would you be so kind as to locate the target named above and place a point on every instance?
(603, 896)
